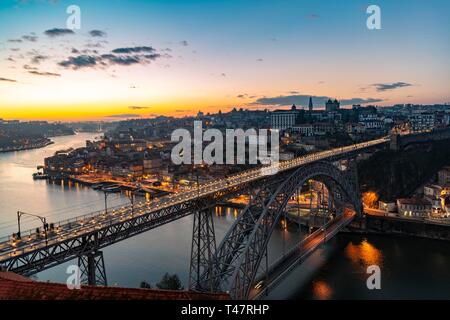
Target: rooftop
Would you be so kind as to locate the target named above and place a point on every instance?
(414, 201)
(16, 287)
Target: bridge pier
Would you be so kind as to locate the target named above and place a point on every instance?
(92, 268)
(202, 251)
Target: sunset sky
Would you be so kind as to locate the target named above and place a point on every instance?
(176, 57)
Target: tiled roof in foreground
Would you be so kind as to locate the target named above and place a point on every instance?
(16, 287)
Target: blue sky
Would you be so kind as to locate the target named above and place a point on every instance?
(217, 51)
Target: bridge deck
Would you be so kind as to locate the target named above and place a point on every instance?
(25, 250)
(298, 254)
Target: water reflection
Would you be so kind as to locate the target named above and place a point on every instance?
(364, 254)
(321, 290)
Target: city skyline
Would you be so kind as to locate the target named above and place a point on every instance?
(180, 57)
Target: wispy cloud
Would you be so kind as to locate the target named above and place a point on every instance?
(7, 80)
(56, 32)
(31, 38)
(38, 58)
(303, 100)
(390, 86)
(313, 16)
(120, 56)
(46, 74)
(79, 62)
(137, 108)
(97, 33)
(184, 43)
(28, 67)
(134, 50)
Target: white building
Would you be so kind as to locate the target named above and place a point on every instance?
(414, 207)
(420, 121)
(284, 119)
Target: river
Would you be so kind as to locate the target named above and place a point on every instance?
(410, 268)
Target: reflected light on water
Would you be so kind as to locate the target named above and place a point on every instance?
(364, 254)
(321, 290)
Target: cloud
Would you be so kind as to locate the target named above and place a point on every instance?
(137, 108)
(28, 67)
(313, 16)
(184, 43)
(303, 100)
(31, 38)
(128, 60)
(97, 33)
(390, 86)
(38, 58)
(56, 32)
(47, 74)
(260, 59)
(120, 56)
(93, 45)
(241, 96)
(79, 62)
(14, 40)
(133, 50)
(7, 80)
(124, 115)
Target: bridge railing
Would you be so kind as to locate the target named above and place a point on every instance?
(61, 223)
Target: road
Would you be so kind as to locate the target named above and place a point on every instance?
(298, 254)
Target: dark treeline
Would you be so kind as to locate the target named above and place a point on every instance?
(397, 174)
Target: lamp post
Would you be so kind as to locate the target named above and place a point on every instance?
(106, 202)
(43, 220)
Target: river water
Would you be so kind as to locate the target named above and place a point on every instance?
(410, 268)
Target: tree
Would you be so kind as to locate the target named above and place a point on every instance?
(170, 282)
(145, 285)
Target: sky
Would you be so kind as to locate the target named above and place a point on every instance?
(177, 57)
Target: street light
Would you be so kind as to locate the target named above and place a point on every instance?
(43, 220)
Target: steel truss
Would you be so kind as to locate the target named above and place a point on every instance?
(239, 254)
(92, 268)
(203, 249)
(72, 247)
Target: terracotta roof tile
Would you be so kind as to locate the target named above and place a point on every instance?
(16, 287)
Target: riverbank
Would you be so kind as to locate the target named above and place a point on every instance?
(386, 225)
(27, 147)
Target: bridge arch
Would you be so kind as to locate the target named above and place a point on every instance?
(239, 255)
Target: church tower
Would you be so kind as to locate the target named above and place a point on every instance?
(310, 106)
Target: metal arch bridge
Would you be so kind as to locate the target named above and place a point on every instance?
(83, 237)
